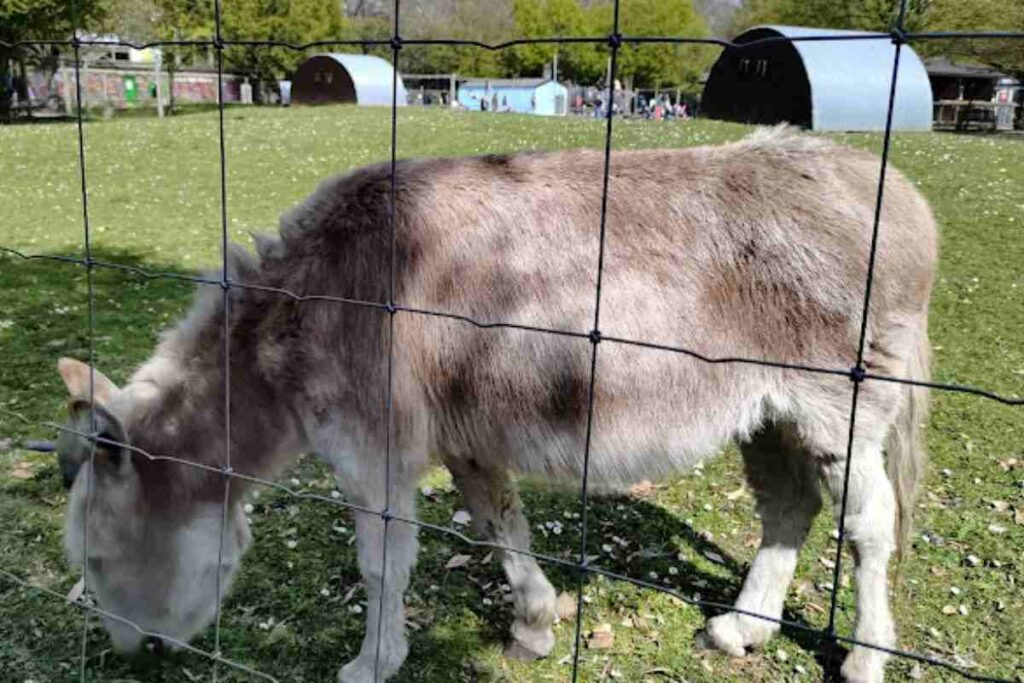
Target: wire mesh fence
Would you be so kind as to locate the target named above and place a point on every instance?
(583, 565)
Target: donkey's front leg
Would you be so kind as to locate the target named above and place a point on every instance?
(385, 584)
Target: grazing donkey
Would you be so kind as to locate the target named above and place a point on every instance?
(756, 249)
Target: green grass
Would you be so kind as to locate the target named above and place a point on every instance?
(154, 201)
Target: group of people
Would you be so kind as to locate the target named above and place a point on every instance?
(657, 108)
(661, 108)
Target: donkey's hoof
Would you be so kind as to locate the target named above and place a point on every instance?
(516, 650)
(366, 670)
(733, 633)
(356, 672)
(530, 643)
(864, 665)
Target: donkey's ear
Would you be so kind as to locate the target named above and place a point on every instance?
(76, 376)
(74, 447)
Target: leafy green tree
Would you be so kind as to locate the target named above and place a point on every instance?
(291, 21)
(657, 65)
(40, 20)
(556, 18)
(981, 15)
(864, 15)
(487, 21)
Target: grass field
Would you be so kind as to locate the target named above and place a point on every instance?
(154, 201)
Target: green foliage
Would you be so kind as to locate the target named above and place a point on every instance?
(863, 15)
(981, 15)
(291, 21)
(479, 21)
(661, 65)
(39, 20)
(46, 19)
(563, 18)
(643, 65)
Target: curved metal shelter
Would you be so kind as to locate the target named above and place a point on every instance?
(336, 77)
(819, 84)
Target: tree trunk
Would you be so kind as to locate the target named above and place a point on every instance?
(6, 83)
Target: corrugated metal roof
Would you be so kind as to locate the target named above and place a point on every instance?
(944, 67)
(372, 78)
(850, 81)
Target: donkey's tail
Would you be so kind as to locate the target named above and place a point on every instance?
(906, 455)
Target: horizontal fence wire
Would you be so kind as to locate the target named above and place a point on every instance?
(614, 40)
(1006, 399)
(212, 41)
(466, 540)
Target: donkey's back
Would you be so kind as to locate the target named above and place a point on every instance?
(757, 250)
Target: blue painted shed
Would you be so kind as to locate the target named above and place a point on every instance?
(541, 96)
(839, 85)
(336, 77)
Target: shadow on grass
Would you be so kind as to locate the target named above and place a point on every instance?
(278, 618)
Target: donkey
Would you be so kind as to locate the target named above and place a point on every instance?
(756, 249)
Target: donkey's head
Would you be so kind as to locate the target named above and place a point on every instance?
(154, 566)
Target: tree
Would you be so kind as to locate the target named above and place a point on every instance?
(290, 21)
(863, 15)
(658, 64)
(486, 21)
(582, 62)
(981, 15)
(39, 20)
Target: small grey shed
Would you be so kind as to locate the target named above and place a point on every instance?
(838, 85)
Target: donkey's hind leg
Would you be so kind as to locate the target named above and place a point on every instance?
(787, 489)
(869, 525)
(492, 498)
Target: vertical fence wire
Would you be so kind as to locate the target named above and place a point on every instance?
(386, 513)
(90, 284)
(857, 372)
(225, 285)
(614, 43)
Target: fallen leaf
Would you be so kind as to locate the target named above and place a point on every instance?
(565, 606)
(23, 470)
(601, 638)
(458, 561)
(642, 489)
(814, 607)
